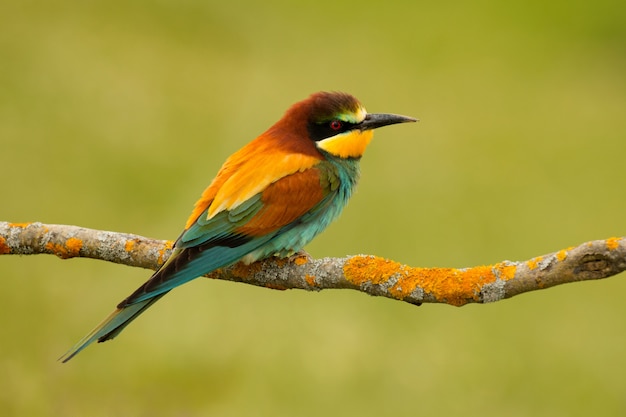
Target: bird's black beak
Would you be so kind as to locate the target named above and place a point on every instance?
(374, 120)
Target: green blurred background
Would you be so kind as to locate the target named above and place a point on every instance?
(115, 115)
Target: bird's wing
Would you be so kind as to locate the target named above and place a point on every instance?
(213, 242)
(248, 172)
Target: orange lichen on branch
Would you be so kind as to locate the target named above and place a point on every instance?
(300, 260)
(612, 243)
(454, 286)
(310, 279)
(20, 225)
(73, 246)
(441, 283)
(534, 263)
(450, 285)
(129, 245)
(242, 271)
(370, 269)
(505, 270)
(70, 249)
(163, 251)
(4, 248)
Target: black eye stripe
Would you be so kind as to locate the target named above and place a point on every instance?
(320, 131)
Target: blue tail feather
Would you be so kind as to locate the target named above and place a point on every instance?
(111, 326)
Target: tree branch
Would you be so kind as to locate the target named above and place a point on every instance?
(370, 274)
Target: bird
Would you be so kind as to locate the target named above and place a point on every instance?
(270, 198)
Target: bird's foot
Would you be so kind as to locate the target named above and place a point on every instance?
(300, 257)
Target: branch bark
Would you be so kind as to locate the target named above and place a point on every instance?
(366, 273)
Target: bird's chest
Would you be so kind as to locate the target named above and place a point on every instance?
(343, 175)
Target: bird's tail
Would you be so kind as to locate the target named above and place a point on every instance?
(111, 326)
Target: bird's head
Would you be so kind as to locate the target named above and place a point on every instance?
(337, 123)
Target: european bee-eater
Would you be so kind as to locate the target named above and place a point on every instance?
(270, 198)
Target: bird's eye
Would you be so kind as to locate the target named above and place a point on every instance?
(336, 125)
